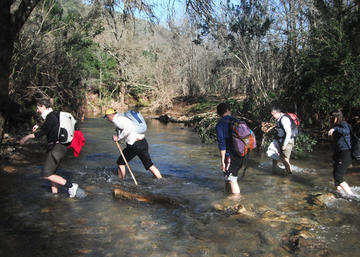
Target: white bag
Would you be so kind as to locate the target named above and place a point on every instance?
(273, 150)
(66, 128)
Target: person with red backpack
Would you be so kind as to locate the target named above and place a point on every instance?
(56, 150)
(286, 133)
(231, 161)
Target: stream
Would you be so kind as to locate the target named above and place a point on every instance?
(280, 215)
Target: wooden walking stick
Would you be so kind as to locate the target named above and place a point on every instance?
(132, 175)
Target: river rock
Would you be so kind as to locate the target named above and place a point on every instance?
(231, 207)
(321, 199)
(305, 243)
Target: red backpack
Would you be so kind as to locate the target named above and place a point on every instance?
(295, 124)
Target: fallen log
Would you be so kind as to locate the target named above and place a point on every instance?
(147, 197)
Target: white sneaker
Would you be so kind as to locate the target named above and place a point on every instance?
(72, 190)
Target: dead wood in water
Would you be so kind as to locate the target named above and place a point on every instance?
(145, 196)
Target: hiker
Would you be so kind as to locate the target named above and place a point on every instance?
(55, 150)
(284, 139)
(340, 132)
(136, 144)
(231, 162)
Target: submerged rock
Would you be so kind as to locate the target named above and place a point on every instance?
(231, 207)
(305, 243)
(321, 199)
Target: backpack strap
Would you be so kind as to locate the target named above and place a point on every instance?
(282, 126)
(245, 164)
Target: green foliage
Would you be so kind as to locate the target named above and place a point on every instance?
(204, 125)
(303, 145)
(329, 77)
(203, 106)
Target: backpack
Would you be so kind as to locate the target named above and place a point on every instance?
(295, 124)
(355, 146)
(242, 137)
(66, 127)
(137, 120)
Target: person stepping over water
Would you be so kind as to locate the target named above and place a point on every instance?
(340, 132)
(284, 137)
(136, 144)
(55, 150)
(231, 162)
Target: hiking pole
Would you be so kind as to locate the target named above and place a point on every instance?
(132, 175)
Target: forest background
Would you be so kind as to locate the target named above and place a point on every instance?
(303, 55)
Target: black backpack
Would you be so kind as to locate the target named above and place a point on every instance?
(355, 147)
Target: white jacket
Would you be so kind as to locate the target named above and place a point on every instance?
(127, 129)
(285, 133)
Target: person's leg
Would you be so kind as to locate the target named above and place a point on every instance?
(235, 189)
(53, 159)
(227, 187)
(121, 171)
(345, 187)
(143, 153)
(287, 165)
(341, 163)
(155, 171)
(274, 165)
(129, 152)
(236, 162)
(285, 156)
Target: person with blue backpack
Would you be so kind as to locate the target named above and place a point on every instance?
(131, 127)
(231, 162)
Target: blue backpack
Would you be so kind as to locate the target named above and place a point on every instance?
(137, 120)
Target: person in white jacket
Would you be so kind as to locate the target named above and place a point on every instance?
(136, 144)
(285, 141)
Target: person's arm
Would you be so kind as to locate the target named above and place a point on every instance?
(222, 156)
(32, 135)
(221, 143)
(344, 129)
(26, 138)
(286, 123)
(124, 125)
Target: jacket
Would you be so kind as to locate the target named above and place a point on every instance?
(50, 128)
(223, 134)
(341, 137)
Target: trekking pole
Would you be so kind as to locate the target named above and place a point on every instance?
(132, 175)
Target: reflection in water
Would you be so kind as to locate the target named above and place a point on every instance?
(274, 208)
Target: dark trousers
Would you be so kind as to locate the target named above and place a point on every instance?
(342, 161)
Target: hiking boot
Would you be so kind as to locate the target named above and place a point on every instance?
(72, 190)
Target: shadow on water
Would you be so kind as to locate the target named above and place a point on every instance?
(191, 215)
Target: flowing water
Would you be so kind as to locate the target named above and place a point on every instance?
(198, 218)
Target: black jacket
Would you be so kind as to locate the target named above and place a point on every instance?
(50, 128)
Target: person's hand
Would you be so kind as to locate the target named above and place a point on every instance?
(283, 148)
(330, 132)
(223, 166)
(35, 128)
(115, 138)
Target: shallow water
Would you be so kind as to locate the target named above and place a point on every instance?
(35, 223)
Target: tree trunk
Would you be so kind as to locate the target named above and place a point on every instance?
(13, 15)
(6, 47)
